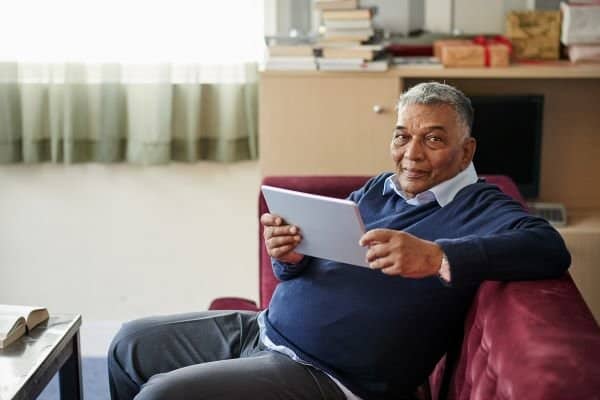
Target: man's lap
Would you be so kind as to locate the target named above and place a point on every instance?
(211, 354)
(263, 375)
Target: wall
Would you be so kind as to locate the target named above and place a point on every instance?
(470, 16)
(120, 241)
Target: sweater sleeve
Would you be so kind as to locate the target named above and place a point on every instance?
(526, 248)
(285, 271)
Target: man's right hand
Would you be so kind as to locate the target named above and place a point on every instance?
(281, 239)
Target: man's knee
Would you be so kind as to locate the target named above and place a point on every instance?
(121, 374)
(122, 357)
(124, 338)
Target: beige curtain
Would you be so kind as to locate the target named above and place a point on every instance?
(145, 114)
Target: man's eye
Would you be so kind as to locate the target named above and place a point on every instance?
(400, 139)
(435, 142)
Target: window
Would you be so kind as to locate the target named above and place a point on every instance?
(132, 31)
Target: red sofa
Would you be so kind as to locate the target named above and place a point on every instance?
(522, 340)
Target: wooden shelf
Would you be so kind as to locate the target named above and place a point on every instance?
(582, 237)
(582, 221)
(542, 70)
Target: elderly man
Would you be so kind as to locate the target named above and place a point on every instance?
(335, 331)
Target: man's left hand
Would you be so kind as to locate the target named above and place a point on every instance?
(400, 253)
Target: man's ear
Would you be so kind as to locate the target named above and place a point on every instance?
(469, 146)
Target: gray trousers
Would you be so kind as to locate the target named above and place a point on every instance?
(207, 355)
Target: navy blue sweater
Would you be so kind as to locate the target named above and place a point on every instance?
(380, 335)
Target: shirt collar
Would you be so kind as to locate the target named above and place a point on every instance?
(443, 192)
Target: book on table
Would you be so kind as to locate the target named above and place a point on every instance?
(16, 321)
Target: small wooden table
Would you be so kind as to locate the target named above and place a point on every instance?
(27, 365)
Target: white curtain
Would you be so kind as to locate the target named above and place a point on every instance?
(143, 81)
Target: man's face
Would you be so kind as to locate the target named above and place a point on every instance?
(429, 146)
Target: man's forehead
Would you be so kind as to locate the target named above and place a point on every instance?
(426, 114)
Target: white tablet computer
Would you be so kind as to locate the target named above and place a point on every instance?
(330, 227)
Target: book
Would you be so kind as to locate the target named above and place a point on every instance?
(351, 64)
(336, 4)
(16, 321)
(359, 13)
(291, 50)
(580, 23)
(366, 52)
(584, 53)
(323, 42)
(348, 24)
(416, 60)
(291, 63)
(366, 32)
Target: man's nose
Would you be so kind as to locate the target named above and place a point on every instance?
(414, 150)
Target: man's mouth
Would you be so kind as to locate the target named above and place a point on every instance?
(412, 173)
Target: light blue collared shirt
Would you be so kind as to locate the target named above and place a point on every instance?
(443, 192)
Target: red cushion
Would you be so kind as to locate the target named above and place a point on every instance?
(233, 303)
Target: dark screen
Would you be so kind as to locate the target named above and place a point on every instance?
(508, 130)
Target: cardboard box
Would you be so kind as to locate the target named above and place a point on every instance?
(439, 44)
(534, 34)
(476, 55)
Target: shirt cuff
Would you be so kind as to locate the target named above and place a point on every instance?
(444, 272)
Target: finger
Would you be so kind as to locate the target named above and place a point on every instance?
(287, 230)
(377, 251)
(375, 235)
(270, 219)
(284, 230)
(381, 263)
(279, 241)
(282, 251)
(392, 270)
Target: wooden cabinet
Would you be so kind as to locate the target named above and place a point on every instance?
(326, 124)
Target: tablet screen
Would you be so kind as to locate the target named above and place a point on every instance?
(330, 227)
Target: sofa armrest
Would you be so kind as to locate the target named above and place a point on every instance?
(233, 303)
(527, 340)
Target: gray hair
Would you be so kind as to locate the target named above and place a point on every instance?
(436, 93)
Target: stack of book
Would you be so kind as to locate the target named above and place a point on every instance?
(345, 30)
(364, 57)
(291, 57)
(581, 31)
(347, 26)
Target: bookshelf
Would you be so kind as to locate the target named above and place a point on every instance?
(547, 70)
